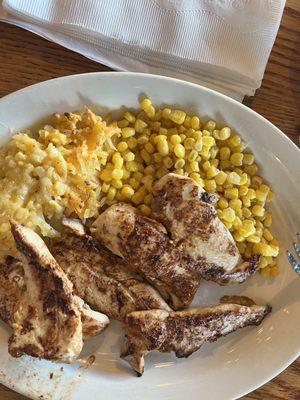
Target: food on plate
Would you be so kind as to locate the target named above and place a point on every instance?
(135, 213)
(47, 319)
(101, 278)
(78, 162)
(145, 244)
(12, 285)
(184, 332)
(52, 173)
(187, 212)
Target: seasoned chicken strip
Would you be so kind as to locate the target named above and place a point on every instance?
(145, 245)
(46, 321)
(184, 332)
(101, 278)
(186, 211)
(12, 284)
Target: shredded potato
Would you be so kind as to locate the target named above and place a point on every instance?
(80, 163)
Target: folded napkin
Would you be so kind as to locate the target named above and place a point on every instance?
(221, 44)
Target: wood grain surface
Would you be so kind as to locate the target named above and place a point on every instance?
(26, 59)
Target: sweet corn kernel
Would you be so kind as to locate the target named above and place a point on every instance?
(228, 224)
(143, 139)
(222, 203)
(135, 184)
(256, 181)
(123, 123)
(205, 152)
(248, 159)
(126, 173)
(210, 126)
(187, 122)
(111, 193)
(149, 147)
(105, 175)
(179, 171)
(117, 174)
(129, 117)
(221, 178)
(157, 157)
(166, 112)
(237, 222)
(232, 193)
(235, 140)
(253, 239)
(179, 163)
(246, 212)
(224, 153)
(146, 156)
(235, 204)
(127, 191)
(194, 166)
(177, 116)
(224, 133)
(175, 139)
(189, 143)
(258, 211)
(163, 147)
(129, 156)
(233, 178)
(228, 215)
(247, 228)
(212, 172)
(210, 185)
(140, 125)
(236, 159)
(105, 187)
(145, 103)
(132, 166)
(267, 235)
(195, 122)
(239, 238)
(192, 155)
(198, 144)
(128, 132)
(225, 164)
(122, 146)
(179, 150)
(251, 169)
(208, 141)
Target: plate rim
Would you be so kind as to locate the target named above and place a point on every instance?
(279, 132)
(109, 74)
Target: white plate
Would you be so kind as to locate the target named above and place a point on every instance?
(234, 365)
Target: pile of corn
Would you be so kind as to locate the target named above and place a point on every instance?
(80, 163)
(155, 142)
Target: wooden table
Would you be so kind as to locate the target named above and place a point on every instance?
(26, 59)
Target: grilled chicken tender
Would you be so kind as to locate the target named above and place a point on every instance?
(101, 278)
(184, 332)
(12, 284)
(187, 212)
(145, 245)
(47, 320)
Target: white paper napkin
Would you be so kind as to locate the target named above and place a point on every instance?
(221, 44)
